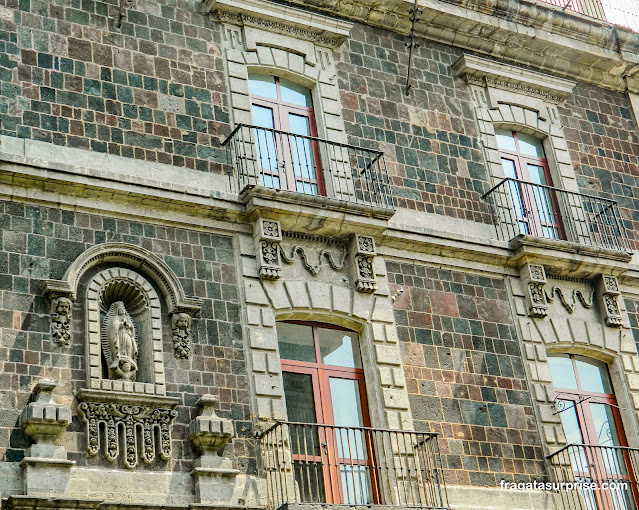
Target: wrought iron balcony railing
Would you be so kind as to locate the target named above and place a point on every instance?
(542, 211)
(594, 477)
(618, 12)
(311, 463)
(308, 165)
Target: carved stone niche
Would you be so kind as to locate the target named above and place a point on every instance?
(533, 277)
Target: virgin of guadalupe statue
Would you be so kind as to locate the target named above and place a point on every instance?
(119, 342)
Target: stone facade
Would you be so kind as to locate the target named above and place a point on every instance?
(120, 196)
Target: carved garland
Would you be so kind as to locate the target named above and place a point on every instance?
(131, 419)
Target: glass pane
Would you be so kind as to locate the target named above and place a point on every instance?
(593, 375)
(568, 415)
(537, 175)
(296, 342)
(347, 412)
(294, 93)
(505, 140)
(355, 485)
(302, 156)
(509, 168)
(339, 348)
(262, 117)
(262, 85)
(530, 145)
(300, 401)
(604, 425)
(265, 146)
(561, 370)
(310, 481)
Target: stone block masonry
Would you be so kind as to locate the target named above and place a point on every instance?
(40, 243)
(151, 90)
(465, 375)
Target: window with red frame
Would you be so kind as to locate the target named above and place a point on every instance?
(326, 403)
(589, 414)
(533, 200)
(284, 122)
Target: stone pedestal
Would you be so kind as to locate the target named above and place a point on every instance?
(46, 468)
(214, 475)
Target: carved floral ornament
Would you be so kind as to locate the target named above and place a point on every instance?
(604, 291)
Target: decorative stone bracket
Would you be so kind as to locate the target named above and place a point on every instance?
(61, 308)
(214, 475)
(267, 235)
(125, 413)
(182, 329)
(362, 254)
(46, 468)
(533, 277)
(607, 292)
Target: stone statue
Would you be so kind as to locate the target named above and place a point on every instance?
(119, 342)
(182, 335)
(61, 320)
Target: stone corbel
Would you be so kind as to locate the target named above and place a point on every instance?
(267, 235)
(61, 299)
(46, 467)
(214, 475)
(362, 254)
(607, 292)
(533, 278)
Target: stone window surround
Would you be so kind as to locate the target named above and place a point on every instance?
(268, 38)
(510, 97)
(562, 333)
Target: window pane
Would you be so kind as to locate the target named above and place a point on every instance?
(294, 93)
(296, 342)
(300, 402)
(604, 422)
(568, 415)
(505, 140)
(339, 348)
(530, 145)
(593, 375)
(538, 175)
(561, 370)
(262, 117)
(509, 168)
(262, 85)
(347, 409)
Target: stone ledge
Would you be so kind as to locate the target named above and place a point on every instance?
(315, 215)
(116, 397)
(565, 258)
(34, 503)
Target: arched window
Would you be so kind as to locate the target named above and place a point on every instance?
(326, 403)
(284, 122)
(592, 425)
(534, 201)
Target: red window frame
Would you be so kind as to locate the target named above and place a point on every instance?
(283, 146)
(531, 195)
(320, 374)
(580, 400)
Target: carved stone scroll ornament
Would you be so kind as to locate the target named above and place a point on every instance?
(119, 343)
(363, 263)
(608, 297)
(137, 427)
(61, 308)
(534, 278)
(314, 269)
(182, 335)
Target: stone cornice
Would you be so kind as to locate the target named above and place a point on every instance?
(524, 32)
(270, 16)
(489, 73)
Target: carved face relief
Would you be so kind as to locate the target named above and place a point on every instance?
(61, 320)
(119, 342)
(182, 335)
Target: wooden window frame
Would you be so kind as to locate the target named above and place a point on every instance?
(533, 220)
(286, 171)
(320, 375)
